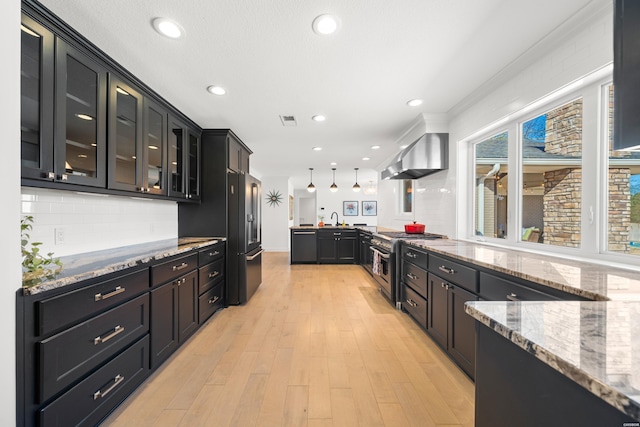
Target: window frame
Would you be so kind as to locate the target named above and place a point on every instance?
(594, 221)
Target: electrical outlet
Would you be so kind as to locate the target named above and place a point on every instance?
(59, 236)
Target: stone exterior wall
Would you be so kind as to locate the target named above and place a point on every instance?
(562, 207)
(564, 130)
(619, 209)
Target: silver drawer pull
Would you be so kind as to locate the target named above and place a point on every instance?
(412, 303)
(214, 299)
(337, 234)
(214, 253)
(446, 269)
(179, 267)
(412, 276)
(116, 291)
(412, 255)
(116, 382)
(214, 274)
(513, 297)
(117, 330)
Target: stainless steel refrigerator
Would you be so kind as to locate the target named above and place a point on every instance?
(244, 249)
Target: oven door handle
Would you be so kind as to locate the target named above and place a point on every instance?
(382, 254)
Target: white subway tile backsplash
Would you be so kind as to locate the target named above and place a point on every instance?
(93, 223)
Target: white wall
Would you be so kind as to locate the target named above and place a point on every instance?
(10, 225)
(94, 222)
(275, 219)
(328, 202)
(304, 207)
(582, 45)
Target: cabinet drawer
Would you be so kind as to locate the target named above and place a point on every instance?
(210, 301)
(67, 356)
(169, 270)
(211, 253)
(416, 256)
(415, 277)
(415, 305)
(93, 398)
(453, 272)
(209, 275)
(497, 289)
(59, 311)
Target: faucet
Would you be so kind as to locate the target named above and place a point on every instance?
(336, 214)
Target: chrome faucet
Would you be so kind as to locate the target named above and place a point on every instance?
(336, 214)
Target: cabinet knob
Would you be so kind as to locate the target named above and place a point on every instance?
(63, 177)
(51, 175)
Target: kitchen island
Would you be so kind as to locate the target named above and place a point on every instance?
(557, 363)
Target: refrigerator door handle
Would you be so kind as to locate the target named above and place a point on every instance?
(252, 257)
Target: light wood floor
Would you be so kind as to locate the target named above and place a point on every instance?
(315, 346)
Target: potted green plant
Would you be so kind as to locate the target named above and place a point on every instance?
(34, 264)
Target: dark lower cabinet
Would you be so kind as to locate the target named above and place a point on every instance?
(174, 315)
(93, 398)
(448, 324)
(336, 246)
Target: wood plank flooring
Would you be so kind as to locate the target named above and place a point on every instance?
(315, 346)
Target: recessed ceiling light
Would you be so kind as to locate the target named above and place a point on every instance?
(216, 90)
(375, 147)
(325, 24)
(414, 102)
(319, 118)
(317, 148)
(366, 158)
(168, 28)
(333, 163)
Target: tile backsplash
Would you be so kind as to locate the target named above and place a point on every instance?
(68, 222)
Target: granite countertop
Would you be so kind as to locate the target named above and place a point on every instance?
(76, 268)
(589, 280)
(593, 343)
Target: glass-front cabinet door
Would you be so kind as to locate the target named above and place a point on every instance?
(125, 137)
(155, 148)
(36, 100)
(80, 136)
(193, 190)
(177, 150)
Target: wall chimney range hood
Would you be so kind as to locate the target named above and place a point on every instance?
(426, 155)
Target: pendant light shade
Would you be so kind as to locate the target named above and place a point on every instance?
(333, 187)
(311, 188)
(356, 186)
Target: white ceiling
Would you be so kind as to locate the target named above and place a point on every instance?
(271, 63)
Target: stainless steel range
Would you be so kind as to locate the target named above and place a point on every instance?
(384, 246)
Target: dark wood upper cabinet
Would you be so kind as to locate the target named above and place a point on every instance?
(80, 109)
(125, 137)
(36, 100)
(626, 60)
(155, 148)
(88, 124)
(184, 161)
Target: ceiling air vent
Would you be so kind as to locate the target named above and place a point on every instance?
(288, 120)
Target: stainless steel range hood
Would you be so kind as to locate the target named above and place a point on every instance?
(428, 154)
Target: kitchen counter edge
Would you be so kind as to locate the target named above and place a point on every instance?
(83, 266)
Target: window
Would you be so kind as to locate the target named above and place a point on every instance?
(546, 176)
(551, 147)
(491, 157)
(623, 189)
(406, 196)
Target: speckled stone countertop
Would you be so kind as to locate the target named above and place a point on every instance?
(592, 281)
(594, 343)
(76, 268)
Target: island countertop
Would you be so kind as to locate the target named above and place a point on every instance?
(589, 280)
(596, 344)
(78, 267)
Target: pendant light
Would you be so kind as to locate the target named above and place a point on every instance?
(333, 187)
(356, 186)
(311, 188)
